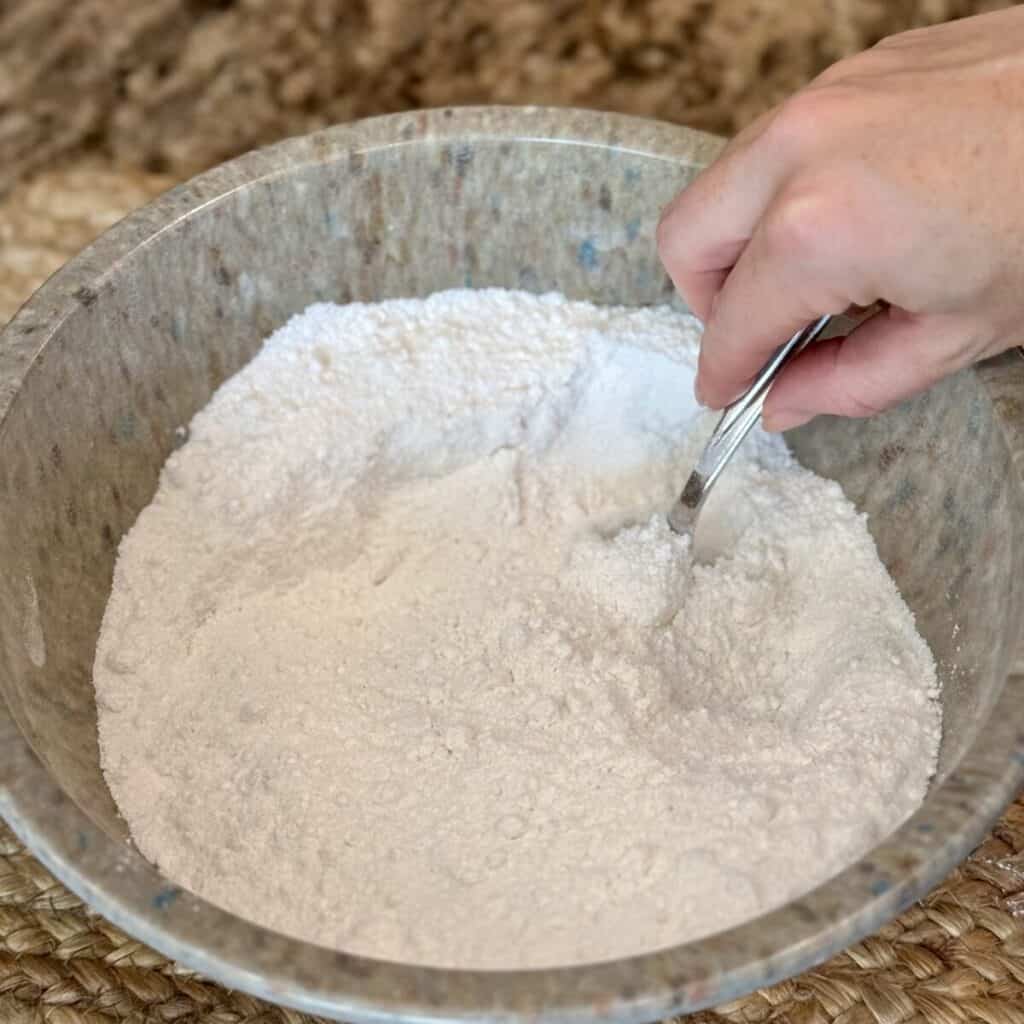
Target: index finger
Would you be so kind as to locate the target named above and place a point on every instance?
(705, 228)
(801, 263)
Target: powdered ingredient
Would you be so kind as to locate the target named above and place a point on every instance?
(403, 658)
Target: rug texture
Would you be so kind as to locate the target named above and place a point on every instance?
(97, 96)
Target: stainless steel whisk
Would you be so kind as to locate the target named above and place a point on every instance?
(736, 422)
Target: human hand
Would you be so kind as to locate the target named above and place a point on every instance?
(896, 176)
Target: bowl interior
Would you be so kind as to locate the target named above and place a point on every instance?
(105, 400)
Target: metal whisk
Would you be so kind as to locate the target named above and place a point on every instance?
(736, 422)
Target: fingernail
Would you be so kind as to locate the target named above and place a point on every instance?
(778, 420)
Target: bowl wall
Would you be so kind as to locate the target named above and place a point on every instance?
(101, 371)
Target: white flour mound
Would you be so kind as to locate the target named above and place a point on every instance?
(403, 659)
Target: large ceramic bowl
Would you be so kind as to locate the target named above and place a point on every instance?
(118, 350)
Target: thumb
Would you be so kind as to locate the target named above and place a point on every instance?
(887, 359)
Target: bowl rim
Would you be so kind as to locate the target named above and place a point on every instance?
(119, 884)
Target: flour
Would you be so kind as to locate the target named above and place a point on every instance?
(403, 658)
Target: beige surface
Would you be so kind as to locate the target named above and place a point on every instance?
(182, 84)
(957, 957)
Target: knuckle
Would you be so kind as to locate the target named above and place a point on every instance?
(842, 77)
(794, 228)
(902, 40)
(670, 232)
(816, 217)
(800, 122)
(663, 233)
(819, 113)
(833, 73)
(893, 39)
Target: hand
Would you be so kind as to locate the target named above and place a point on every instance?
(896, 176)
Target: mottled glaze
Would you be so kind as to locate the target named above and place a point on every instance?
(114, 354)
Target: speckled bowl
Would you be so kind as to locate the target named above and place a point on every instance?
(119, 349)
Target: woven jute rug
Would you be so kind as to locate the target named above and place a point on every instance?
(956, 957)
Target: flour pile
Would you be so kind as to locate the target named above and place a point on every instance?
(403, 658)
